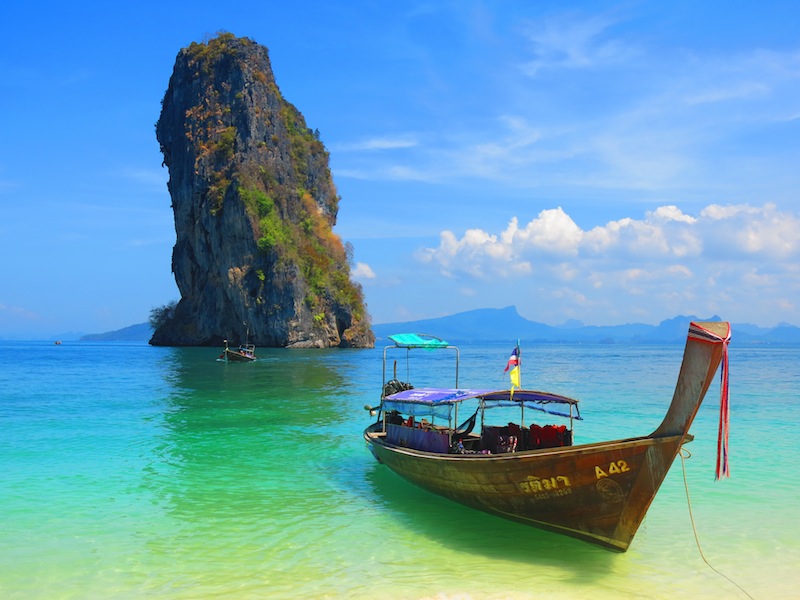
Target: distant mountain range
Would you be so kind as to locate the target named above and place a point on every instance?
(133, 333)
(503, 324)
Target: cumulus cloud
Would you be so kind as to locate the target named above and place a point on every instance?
(553, 231)
(477, 253)
(670, 213)
(748, 231)
(666, 235)
(362, 271)
(667, 261)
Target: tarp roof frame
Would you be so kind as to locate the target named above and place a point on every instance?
(439, 402)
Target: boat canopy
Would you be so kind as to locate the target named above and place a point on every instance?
(436, 402)
(417, 340)
(439, 402)
(553, 404)
(412, 341)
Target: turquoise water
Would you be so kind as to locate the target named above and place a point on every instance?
(128, 471)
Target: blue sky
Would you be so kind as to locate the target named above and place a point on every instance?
(610, 162)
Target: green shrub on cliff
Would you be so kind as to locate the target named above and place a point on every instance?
(310, 243)
(212, 48)
(275, 234)
(224, 146)
(162, 315)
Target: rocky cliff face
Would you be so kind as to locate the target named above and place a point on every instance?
(254, 206)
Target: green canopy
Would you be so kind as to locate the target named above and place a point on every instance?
(417, 340)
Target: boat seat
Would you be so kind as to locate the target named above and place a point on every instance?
(553, 436)
(535, 437)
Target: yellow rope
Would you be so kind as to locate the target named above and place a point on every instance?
(684, 455)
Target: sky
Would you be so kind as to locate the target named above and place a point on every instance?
(606, 162)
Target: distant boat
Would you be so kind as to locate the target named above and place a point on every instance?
(243, 353)
(532, 472)
(58, 342)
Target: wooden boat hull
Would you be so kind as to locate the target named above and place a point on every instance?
(233, 356)
(595, 492)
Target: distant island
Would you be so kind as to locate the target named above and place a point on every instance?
(504, 324)
(255, 205)
(133, 333)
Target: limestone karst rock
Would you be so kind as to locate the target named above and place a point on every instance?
(254, 205)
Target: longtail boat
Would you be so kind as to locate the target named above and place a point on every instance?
(532, 472)
(242, 353)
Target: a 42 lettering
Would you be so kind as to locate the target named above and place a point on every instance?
(616, 467)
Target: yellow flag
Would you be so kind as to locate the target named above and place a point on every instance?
(514, 375)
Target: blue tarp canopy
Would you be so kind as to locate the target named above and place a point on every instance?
(436, 402)
(417, 340)
(553, 404)
(439, 402)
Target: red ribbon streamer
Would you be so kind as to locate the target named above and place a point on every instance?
(724, 415)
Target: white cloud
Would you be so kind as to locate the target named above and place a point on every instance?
(670, 213)
(477, 253)
(748, 231)
(553, 231)
(573, 41)
(720, 213)
(362, 271)
(680, 270)
(665, 234)
(668, 259)
(377, 143)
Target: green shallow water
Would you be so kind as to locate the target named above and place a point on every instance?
(135, 472)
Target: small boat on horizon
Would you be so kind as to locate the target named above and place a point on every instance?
(527, 469)
(242, 353)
